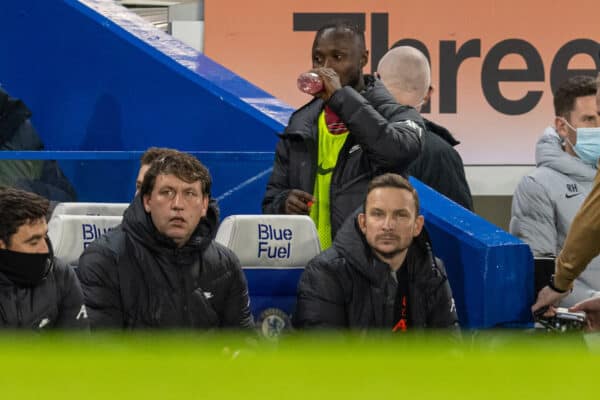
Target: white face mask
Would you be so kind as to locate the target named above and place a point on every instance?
(587, 146)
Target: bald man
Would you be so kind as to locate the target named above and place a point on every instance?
(405, 72)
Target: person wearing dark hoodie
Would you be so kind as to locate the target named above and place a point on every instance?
(43, 177)
(161, 267)
(380, 272)
(406, 73)
(352, 131)
(36, 291)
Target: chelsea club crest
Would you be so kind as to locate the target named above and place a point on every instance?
(273, 322)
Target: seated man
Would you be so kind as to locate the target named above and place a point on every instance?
(43, 177)
(546, 201)
(36, 291)
(405, 72)
(161, 268)
(380, 271)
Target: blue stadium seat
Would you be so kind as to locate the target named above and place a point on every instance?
(273, 251)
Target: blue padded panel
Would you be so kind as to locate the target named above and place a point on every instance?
(490, 271)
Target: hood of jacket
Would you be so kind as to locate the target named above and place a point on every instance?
(138, 223)
(303, 121)
(13, 112)
(549, 153)
(441, 132)
(351, 244)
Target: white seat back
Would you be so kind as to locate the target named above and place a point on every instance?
(270, 241)
(116, 209)
(71, 234)
(273, 251)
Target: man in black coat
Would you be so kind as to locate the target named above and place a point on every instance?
(350, 132)
(405, 72)
(161, 268)
(36, 291)
(380, 272)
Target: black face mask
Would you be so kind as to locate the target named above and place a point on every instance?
(25, 269)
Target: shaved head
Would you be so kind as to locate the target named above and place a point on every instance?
(405, 72)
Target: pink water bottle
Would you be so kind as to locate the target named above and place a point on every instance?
(310, 83)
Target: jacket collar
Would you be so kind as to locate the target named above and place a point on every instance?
(352, 245)
(441, 132)
(549, 152)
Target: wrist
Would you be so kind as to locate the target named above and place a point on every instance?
(552, 285)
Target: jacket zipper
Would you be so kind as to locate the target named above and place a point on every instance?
(184, 310)
(18, 307)
(3, 314)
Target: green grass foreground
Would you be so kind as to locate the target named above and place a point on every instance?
(485, 365)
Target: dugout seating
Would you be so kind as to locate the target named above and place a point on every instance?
(273, 251)
(76, 208)
(71, 234)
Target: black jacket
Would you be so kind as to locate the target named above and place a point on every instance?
(441, 167)
(57, 302)
(344, 287)
(43, 177)
(384, 137)
(135, 277)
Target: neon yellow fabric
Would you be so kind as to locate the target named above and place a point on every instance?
(328, 150)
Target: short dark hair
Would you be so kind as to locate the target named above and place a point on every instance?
(391, 180)
(340, 26)
(571, 89)
(183, 165)
(17, 208)
(154, 153)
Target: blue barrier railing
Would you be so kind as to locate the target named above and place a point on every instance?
(239, 178)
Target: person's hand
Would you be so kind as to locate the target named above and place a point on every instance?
(331, 82)
(591, 307)
(298, 202)
(548, 298)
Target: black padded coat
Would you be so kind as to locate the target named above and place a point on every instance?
(134, 277)
(384, 137)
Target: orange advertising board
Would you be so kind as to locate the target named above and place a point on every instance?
(494, 63)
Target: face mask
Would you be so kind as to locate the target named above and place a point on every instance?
(587, 147)
(25, 269)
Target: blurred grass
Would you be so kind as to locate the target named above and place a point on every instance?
(485, 365)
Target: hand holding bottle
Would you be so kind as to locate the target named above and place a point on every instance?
(328, 82)
(310, 83)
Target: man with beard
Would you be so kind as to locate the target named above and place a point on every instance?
(380, 272)
(333, 146)
(161, 268)
(36, 291)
